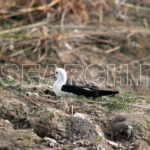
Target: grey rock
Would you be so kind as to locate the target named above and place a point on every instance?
(50, 142)
(79, 128)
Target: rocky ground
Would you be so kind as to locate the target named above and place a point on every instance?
(36, 122)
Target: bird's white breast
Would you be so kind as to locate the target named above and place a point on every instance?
(57, 88)
(69, 94)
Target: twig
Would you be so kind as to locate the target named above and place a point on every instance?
(47, 101)
(142, 59)
(136, 7)
(29, 10)
(25, 97)
(79, 58)
(21, 51)
(112, 50)
(63, 18)
(72, 110)
(22, 28)
(45, 53)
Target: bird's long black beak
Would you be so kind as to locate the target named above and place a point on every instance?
(50, 75)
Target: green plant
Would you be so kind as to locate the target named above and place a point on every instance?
(1, 84)
(85, 109)
(34, 113)
(9, 83)
(41, 119)
(122, 102)
(21, 108)
(137, 127)
(51, 115)
(28, 124)
(99, 139)
(119, 101)
(61, 118)
(148, 99)
(31, 81)
(148, 124)
(25, 91)
(24, 148)
(46, 110)
(101, 99)
(80, 98)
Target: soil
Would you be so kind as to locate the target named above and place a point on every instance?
(26, 122)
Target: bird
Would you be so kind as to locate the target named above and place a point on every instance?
(61, 88)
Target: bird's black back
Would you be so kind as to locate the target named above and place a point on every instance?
(87, 92)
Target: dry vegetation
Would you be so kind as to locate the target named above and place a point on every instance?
(75, 32)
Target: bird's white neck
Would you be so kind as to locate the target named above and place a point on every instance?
(61, 80)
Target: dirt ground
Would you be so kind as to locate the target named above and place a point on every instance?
(39, 123)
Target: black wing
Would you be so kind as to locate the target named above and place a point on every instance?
(87, 92)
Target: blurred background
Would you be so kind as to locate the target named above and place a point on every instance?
(90, 33)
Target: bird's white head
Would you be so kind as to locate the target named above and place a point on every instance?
(61, 75)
